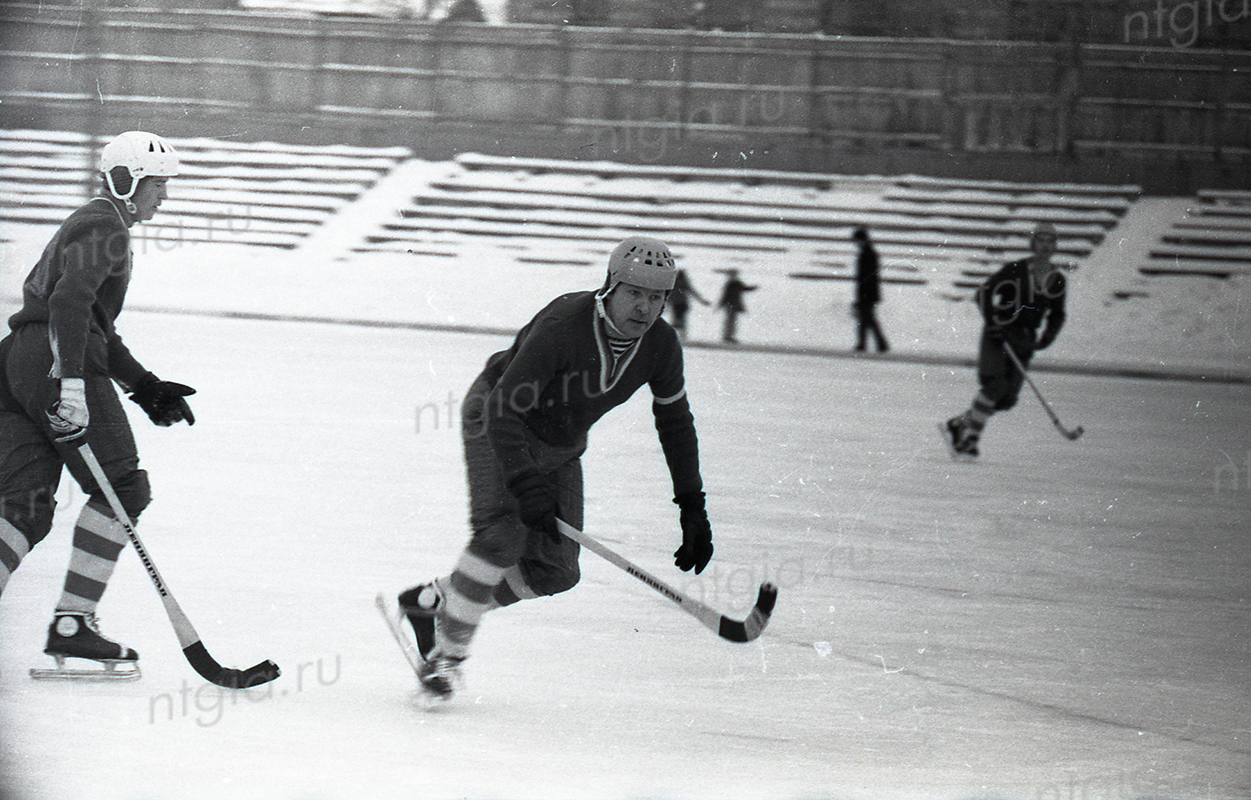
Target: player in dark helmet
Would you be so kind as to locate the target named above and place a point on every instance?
(1015, 302)
(525, 424)
(57, 369)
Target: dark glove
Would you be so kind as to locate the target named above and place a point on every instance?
(163, 401)
(1045, 340)
(995, 333)
(696, 549)
(536, 502)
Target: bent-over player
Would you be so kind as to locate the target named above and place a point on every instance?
(524, 428)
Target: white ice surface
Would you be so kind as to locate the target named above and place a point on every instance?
(1060, 620)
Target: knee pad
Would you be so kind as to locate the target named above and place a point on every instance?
(134, 492)
(30, 512)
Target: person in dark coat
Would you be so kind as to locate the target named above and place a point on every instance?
(732, 303)
(868, 293)
(680, 301)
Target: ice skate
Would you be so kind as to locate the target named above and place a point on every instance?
(439, 674)
(75, 634)
(421, 606)
(438, 669)
(959, 446)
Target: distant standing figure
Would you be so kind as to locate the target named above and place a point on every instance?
(680, 301)
(732, 302)
(868, 293)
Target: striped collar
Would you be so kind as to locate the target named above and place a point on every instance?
(613, 360)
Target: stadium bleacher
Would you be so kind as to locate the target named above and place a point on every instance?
(944, 233)
(1213, 240)
(246, 193)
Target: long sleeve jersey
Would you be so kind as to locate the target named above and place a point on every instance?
(1010, 300)
(560, 376)
(78, 288)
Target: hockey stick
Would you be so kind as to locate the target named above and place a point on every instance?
(188, 639)
(731, 629)
(1071, 435)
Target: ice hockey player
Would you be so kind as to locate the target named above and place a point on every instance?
(57, 368)
(524, 428)
(1015, 302)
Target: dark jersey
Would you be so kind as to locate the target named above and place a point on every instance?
(560, 376)
(77, 289)
(1011, 301)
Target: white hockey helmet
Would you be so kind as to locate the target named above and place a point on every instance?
(641, 261)
(142, 154)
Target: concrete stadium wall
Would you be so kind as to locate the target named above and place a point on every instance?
(1167, 118)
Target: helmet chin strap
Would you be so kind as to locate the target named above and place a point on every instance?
(125, 198)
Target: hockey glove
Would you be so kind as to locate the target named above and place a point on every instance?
(536, 502)
(163, 401)
(69, 417)
(696, 549)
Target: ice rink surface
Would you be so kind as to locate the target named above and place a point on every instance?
(1061, 620)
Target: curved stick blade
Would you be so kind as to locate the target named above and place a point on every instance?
(227, 677)
(749, 629)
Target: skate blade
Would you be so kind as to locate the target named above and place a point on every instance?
(432, 701)
(113, 670)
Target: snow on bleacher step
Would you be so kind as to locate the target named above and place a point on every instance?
(250, 193)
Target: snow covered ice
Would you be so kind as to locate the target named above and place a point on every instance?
(1060, 620)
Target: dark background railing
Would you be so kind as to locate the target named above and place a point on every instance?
(1169, 118)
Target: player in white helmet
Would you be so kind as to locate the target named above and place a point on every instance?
(1015, 302)
(524, 427)
(58, 365)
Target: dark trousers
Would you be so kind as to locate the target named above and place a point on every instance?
(1000, 380)
(499, 536)
(866, 323)
(31, 462)
(679, 313)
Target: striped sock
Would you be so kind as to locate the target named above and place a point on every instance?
(13, 548)
(512, 589)
(470, 593)
(98, 541)
(977, 415)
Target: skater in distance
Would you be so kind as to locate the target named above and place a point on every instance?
(58, 365)
(524, 428)
(1015, 302)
